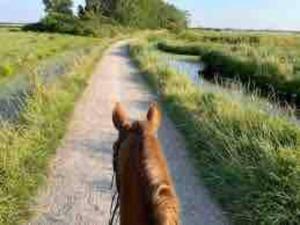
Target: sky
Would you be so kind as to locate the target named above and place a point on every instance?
(240, 14)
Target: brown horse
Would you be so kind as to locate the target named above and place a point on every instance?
(146, 191)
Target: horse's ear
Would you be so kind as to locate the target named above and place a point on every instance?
(154, 117)
(119, 117)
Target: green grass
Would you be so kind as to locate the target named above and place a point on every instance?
(248, 157)
(27, 144)
(22, 49)
(267, 61)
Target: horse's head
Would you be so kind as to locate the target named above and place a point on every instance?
(131, 132)
(128, 129)
(142, 176)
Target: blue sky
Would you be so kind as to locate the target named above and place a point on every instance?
(253, 14)
(23, 10)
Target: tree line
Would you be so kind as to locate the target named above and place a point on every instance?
(142, 14)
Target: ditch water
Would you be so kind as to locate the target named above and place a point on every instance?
(13, 94)
(192, 67)
(188, 65)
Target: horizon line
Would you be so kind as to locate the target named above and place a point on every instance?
(191, 27)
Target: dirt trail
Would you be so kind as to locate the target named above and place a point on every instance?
(79, 191)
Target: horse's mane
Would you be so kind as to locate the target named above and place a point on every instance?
(154, 173)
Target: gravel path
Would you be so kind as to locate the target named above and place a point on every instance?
(79, 190)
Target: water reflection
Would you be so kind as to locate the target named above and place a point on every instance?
(188, 65)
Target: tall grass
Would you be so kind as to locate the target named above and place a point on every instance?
(249, 159)
(27, 144)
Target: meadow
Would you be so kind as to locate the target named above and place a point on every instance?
(247, 154)
(29, 140)
(20, 49)
(269, 62)
(25, 54)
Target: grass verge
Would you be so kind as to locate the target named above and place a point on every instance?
(249, 159)
(27, 144)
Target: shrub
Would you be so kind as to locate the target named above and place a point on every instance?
(87, 26)
(57, 22)
(6, 70)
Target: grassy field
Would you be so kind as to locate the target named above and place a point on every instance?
(20, 49)
(28, 142)
(270, 62)
(248, 156)
(27, 53)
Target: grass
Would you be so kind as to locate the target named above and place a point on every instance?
(27, 48)
(267, 61)
(27, 144)
(249, 158)
(49, 55)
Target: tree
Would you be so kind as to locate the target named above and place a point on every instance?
(93, 6)
(150, 14)
(173, 18)
(127, 12)
(100, 7)
(81, 11)
(143, 14)
(108, 7)
(136, 13)
(58, 6)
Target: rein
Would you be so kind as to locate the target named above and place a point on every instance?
(114, 209)
(115, 202)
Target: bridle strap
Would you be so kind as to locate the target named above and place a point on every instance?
(115, 202)
(114, 207)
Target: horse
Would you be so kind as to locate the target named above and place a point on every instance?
(146, 192)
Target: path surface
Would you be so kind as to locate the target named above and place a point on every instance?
(79, 191)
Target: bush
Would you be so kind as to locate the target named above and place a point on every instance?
(91, 25)
(6, 70)
(57, 22)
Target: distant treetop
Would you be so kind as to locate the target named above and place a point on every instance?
(58, 6)
(97, 14)
(137, 13)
